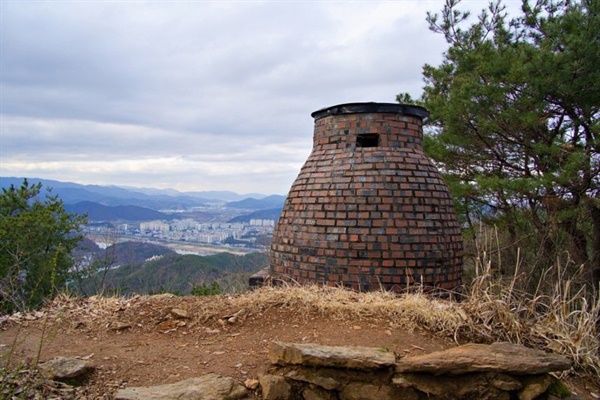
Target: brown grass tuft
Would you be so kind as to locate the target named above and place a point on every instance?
(409, 311)
(560, 317)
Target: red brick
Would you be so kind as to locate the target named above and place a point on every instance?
(371, 208)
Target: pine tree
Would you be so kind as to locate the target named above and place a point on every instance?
(37, 237)
(515, 111)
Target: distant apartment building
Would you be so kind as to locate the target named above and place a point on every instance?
(184, 224)
(154, 226)
(192, 231)
(262, 222)
(213, 237)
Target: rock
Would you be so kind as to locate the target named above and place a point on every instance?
(162, 296)
(365, 391)
(317, 377)
(316, 393)
(120, 327)
(505, 382)
(314, 355)
(274, 387)
(423, 383)
(206, 387)
(498, 357)
(251, 384)
(61, 368)
(468, 386)
(238, 316)
(258, 279)
(178, 313)
(534, 385)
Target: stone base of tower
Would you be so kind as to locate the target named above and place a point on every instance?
(391, 282)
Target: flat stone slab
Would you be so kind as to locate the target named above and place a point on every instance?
(206, 387)
(61, 368)
(497, 357)
(485, 385)
(315, 355)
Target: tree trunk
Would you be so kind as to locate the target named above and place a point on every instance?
(595, 258)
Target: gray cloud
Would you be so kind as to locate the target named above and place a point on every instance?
(194, 95)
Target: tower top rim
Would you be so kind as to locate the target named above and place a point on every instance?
(371, 107)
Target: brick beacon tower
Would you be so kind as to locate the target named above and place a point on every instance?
(368, 209)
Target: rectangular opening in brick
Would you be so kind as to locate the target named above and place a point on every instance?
(367, 140)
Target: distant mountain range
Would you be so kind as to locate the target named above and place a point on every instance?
(72, 193)
(99, 212)
(218, 195)
(273, 201)
(271, 213)
(112, 203)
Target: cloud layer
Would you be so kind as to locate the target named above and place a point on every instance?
(194, 95)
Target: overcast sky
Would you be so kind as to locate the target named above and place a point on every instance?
(194, 95)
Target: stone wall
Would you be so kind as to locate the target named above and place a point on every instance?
(484, 372)
(500, 371)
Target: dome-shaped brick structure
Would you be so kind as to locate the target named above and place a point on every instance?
(368, 210)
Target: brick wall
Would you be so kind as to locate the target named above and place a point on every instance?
(368, 209)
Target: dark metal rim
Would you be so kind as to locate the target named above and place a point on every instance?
(372, 107)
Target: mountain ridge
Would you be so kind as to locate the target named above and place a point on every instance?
(269, 202)
(99, 212)
(109, 195)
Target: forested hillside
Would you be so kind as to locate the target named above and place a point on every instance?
(177, 273)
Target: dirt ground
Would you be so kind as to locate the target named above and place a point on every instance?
(154, 340)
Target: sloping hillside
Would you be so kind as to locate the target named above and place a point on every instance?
(99, 212)
(177, 273)
(272, 213)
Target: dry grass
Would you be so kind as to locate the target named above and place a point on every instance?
(559, 315)
(563, 320)
(410, 311)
